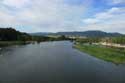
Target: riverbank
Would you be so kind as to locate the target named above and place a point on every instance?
(114, 55)
(110, 44)
(8, 43)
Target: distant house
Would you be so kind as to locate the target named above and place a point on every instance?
(74, 37)
(54, 36)
(112, 44)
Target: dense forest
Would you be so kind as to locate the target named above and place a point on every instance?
(10, 34)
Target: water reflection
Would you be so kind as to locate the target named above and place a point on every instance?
(56, 62)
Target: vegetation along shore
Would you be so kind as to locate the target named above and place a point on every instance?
(106, 52)
(10, 36)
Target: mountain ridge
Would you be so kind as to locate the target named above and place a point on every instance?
(90, 33)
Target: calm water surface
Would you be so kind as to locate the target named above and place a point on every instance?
(55, 62)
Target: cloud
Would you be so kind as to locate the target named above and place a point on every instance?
(43, 15)
(90, 21)
(110, 20)
(118, 1)
(60, 15)
(15, 3)
(109, 14)
(115, 2)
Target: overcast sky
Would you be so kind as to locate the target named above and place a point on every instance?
(63, 15)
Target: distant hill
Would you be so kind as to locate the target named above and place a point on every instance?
(94, 33)
(40, 33)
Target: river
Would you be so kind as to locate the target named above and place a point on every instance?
(55, 62)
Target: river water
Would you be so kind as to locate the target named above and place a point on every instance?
(55, 62)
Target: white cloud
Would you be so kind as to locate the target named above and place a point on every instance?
(15, 3)
(56, 15)
(44, 15)
(110, 20)
(115, 2)
(118, 1)
(107, 15)
(91, 21)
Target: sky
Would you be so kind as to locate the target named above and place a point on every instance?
(63, 15)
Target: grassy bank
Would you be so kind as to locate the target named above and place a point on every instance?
(114, 55)
(8, 43)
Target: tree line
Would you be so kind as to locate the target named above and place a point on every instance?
(117, 40)
(10, 34)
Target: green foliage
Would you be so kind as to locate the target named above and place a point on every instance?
(8, 43)
(62, 37)
(40, 38)
(88, 40)
(119, 40)
(10, 34)
(109, 54)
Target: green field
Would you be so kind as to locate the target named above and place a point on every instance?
(115, 55)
